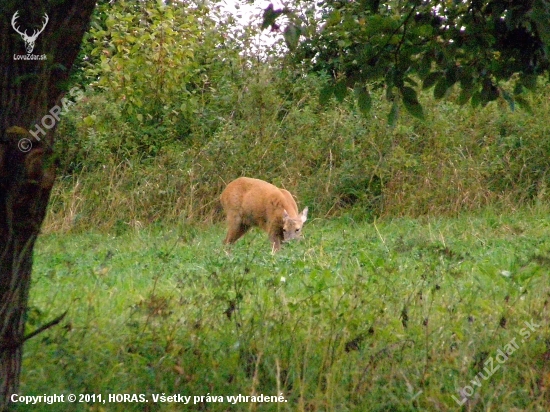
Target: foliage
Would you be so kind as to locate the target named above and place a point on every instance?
(397, 315)
(159, 66)
(473, 45)
(267, 119)
(333, 159)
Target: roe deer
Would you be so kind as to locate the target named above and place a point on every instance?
(251, 202)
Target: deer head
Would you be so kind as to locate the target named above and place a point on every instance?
(29, 40)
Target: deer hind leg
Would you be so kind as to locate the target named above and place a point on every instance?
(235, 230)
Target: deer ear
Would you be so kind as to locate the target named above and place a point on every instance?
(303, 215)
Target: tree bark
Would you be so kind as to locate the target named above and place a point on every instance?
(29, 89)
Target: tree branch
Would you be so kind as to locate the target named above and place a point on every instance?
(14, 345)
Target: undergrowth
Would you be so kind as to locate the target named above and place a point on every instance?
(331, 157)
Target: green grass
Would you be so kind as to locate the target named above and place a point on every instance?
(393, 316)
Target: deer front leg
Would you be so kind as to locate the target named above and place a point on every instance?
(275, 238)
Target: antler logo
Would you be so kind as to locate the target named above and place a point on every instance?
(29, 40)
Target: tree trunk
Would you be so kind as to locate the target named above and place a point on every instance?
(29, 89)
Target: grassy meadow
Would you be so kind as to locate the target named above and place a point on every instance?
(426, 252)
(398, 314)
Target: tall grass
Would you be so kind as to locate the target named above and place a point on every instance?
(332, 158)
(399, 315)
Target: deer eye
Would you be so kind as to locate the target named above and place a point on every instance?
(297, 230)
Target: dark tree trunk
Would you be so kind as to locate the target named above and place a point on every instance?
(29, 89)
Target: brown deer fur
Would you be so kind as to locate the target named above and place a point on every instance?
(252, 202)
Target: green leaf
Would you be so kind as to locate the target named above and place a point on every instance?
(340, 90)
(292, 36)
(136, 101)
(440, 88)
(110, 22)
(451, 75)
(465, 95)
(518, 88)
(466, 79)
(529, 81)
(364, 100)
(334, 18)
(425, 30)
(325, 94)
(410, 81)
(524, 104)
(425, 65)
(394, 114)
(476, 98)
(390, 95)
(540, 14)
(373, 5)
(410, 100)
(430, 80)
(19, 130)
(269, 16)
(89, 120)
(489, 92)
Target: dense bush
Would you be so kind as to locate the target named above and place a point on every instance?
(331, 157)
